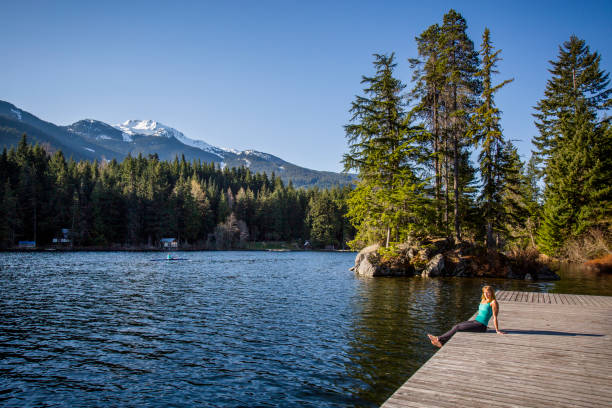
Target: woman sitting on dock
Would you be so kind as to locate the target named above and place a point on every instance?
(488, 307)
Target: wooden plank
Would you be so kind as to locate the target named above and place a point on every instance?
(572, 300)
(558, 353)
(590, 301)
(601, 301)
(534, 370)
(559, 392)
(585, 300)
(581, 300)
(563, 299)
(450, 391)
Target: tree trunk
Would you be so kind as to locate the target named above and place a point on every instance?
(436, 143)
(446, 187)
(456, 187)
(489, 199)
(388, 236)
(456, 165)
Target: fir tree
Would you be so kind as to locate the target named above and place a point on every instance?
(578, 175)
(487, 131)
(574, 147)
(323, 220)
(460, 90)
(381, 145)
(576, 78)
(429, 80)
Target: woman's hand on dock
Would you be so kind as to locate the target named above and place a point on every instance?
(500, 332)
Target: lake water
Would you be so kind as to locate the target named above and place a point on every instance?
(223, 329)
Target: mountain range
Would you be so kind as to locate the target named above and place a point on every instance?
(90, 139)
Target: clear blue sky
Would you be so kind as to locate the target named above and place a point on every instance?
(275, 76)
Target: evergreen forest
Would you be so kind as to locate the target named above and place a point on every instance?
(433, 159)
(136, 203)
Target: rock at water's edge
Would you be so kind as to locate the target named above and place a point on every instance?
(434, 267)
(442, 257)
(369, 263)
(363, 265)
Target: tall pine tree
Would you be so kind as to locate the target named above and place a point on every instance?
(576, 77)
(574, 147)
(381, 145)
(487, 131)
(460, 93)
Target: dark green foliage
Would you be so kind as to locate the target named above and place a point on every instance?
(494, 165)
(578, 192)
(574, 147)
(461, 90)
(446, 91)
(387, 203)
(327, 220)
(141, 200)
(576, 78)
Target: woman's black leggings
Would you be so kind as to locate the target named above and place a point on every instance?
(470, 326)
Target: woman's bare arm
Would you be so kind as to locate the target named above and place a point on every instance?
(495, 308)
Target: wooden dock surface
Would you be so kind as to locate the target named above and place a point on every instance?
(557, 353)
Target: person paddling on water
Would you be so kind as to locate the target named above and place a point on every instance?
(169, 257)
(488, 307)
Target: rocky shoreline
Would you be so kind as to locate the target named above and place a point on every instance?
(442, 257)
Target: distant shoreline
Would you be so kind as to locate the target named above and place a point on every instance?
(106, 249)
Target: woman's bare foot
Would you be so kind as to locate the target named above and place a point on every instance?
(434, 340)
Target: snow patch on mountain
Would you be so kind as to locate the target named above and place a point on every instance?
(200, 145)
(17, 113)
(257, 154)
(154, 128)
(91, 150)
(142, 127)
(247, 162)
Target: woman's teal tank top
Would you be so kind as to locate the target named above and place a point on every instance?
(484, 313)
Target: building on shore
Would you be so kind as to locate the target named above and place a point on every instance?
(169, 243)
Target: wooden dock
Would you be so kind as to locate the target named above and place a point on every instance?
(557, 353)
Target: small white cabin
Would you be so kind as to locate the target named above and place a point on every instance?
(169, 243)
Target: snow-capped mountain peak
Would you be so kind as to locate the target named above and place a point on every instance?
(153, 128)
(90, 139)
(146, 127)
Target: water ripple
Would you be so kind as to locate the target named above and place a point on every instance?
(224, 329)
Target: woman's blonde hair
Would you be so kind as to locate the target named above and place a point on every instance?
(482, 299)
